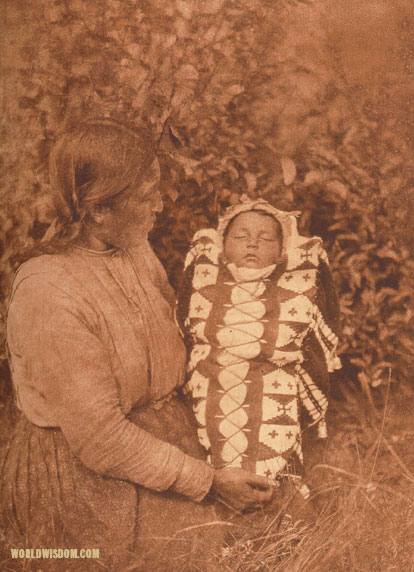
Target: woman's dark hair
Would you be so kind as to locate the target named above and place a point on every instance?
(93, 164)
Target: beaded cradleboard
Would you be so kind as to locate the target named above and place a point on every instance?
(260, 349)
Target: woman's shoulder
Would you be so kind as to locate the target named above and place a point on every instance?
(45, 292)
(38, 269)
(47, 277)
(44, 263)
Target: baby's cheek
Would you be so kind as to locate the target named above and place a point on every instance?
(270, 255)
(233, 254)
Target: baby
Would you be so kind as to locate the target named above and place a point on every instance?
(259, 313)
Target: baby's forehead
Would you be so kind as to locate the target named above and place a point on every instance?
(255, 219)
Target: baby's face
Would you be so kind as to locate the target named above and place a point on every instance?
(254, 240)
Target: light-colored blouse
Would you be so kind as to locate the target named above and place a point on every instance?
(90, 336)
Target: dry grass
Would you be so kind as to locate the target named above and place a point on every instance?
(364, 497)
(360, 527)
(364, 500)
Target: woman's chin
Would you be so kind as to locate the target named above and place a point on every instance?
(137, 241)
(131, 240)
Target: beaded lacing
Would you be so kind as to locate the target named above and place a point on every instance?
(243, 319)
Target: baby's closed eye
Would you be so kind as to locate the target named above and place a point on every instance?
(244, 236)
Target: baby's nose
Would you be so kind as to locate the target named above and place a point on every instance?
(252, 242)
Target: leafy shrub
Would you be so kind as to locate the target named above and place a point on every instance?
(244, 98)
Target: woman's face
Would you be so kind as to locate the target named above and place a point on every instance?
(129, 219)
(253, 240)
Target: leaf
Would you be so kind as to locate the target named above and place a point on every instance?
(134, 50)
(43, 209)
(234, 199)
(365, 384)
(383, 365)
(187, 72)
(185, 8)
(175, 137)
(288, 170)
(358, 362)
(173, 194)
(349, 236)
(211, 7)
(236, 89)
(81, 69)
(337, 188)
(386, 252)
(313, 177)
(188, 164)
(198, 176)
(251, 181)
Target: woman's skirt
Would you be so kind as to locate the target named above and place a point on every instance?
(51, 500)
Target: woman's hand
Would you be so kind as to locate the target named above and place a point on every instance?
(241, 489)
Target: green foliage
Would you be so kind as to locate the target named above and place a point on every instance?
(256, 98)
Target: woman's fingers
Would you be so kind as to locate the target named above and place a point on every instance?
(258, 497)
(261, 488)
(259, 482)
(242, 489)
(262, 496)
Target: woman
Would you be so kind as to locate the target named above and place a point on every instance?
(96, 360)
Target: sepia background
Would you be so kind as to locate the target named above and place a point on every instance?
(309, 104)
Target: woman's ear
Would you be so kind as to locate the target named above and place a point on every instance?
(98, 213)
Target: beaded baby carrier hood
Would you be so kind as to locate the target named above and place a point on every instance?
(261, 343)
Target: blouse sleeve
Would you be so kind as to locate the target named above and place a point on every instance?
(68, 363)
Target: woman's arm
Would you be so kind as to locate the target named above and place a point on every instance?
(55, 352)
(53, 349)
